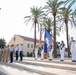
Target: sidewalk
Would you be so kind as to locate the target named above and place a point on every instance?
(30, 66)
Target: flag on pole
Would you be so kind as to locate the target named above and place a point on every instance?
(47, 41)
(40, 39)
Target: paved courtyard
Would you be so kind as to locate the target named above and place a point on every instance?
(30, 66)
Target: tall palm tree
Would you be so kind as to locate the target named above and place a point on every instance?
(70, 2)
(53, 7)
(49, 25)
(35, 17)
(67, 16)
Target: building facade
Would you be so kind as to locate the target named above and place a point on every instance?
(27, 42)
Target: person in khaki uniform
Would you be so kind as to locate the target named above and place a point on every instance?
(4, 53)
(0, 54)
(7, 53)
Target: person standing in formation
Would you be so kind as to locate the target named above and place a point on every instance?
(51, 53)
(17, 50)
(73, 49)
(4, 53)
(36, 52)
(62, 51)
(0, 54)
(21, 52)
(11, 53)
(7, 53)
(42, 52)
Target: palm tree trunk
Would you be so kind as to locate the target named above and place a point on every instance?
(68, 48)
(55, 51)
(35, 36)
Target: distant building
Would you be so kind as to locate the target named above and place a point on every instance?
(27, 42)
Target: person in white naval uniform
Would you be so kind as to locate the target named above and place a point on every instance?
(73, 49)
(42, 52)
(62, 51)
(36, 52)
(51, 53)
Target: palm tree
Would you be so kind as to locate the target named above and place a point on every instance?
(67, 16)
(53, 7)
(70, 2)
(35, 17)
(49, 25)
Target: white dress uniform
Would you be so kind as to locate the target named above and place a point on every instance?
(73, 50)
(36, 53)
(42, 53)
(62, 51)
(51, 53)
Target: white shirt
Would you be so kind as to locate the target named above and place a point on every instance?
(17, 48)
(11, 49)
(21, 48)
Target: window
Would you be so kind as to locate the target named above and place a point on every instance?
(28, 45)
(31, 46)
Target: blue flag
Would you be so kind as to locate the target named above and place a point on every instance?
(47, 41)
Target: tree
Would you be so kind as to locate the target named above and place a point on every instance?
(2, 43)
(53, 7)
(49, 25)
(70, 2)
(36, 17)
(67, 15)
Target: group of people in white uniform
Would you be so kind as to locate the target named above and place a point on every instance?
(62, 51)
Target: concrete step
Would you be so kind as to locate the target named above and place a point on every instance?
(15, 65)
(36, 67)
(49, 64)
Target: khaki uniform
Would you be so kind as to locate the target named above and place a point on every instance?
(7, 54)
(0, 54)
(4, 54)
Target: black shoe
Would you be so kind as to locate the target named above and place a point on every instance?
(61, 60)
(50, 59)
(73, 60)
(20, 60)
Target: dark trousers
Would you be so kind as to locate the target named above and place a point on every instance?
(11, 57)
(21, 55)
(16, 55)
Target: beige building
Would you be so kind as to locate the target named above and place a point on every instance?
(27, 42)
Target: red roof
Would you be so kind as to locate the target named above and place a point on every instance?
(29, 39)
